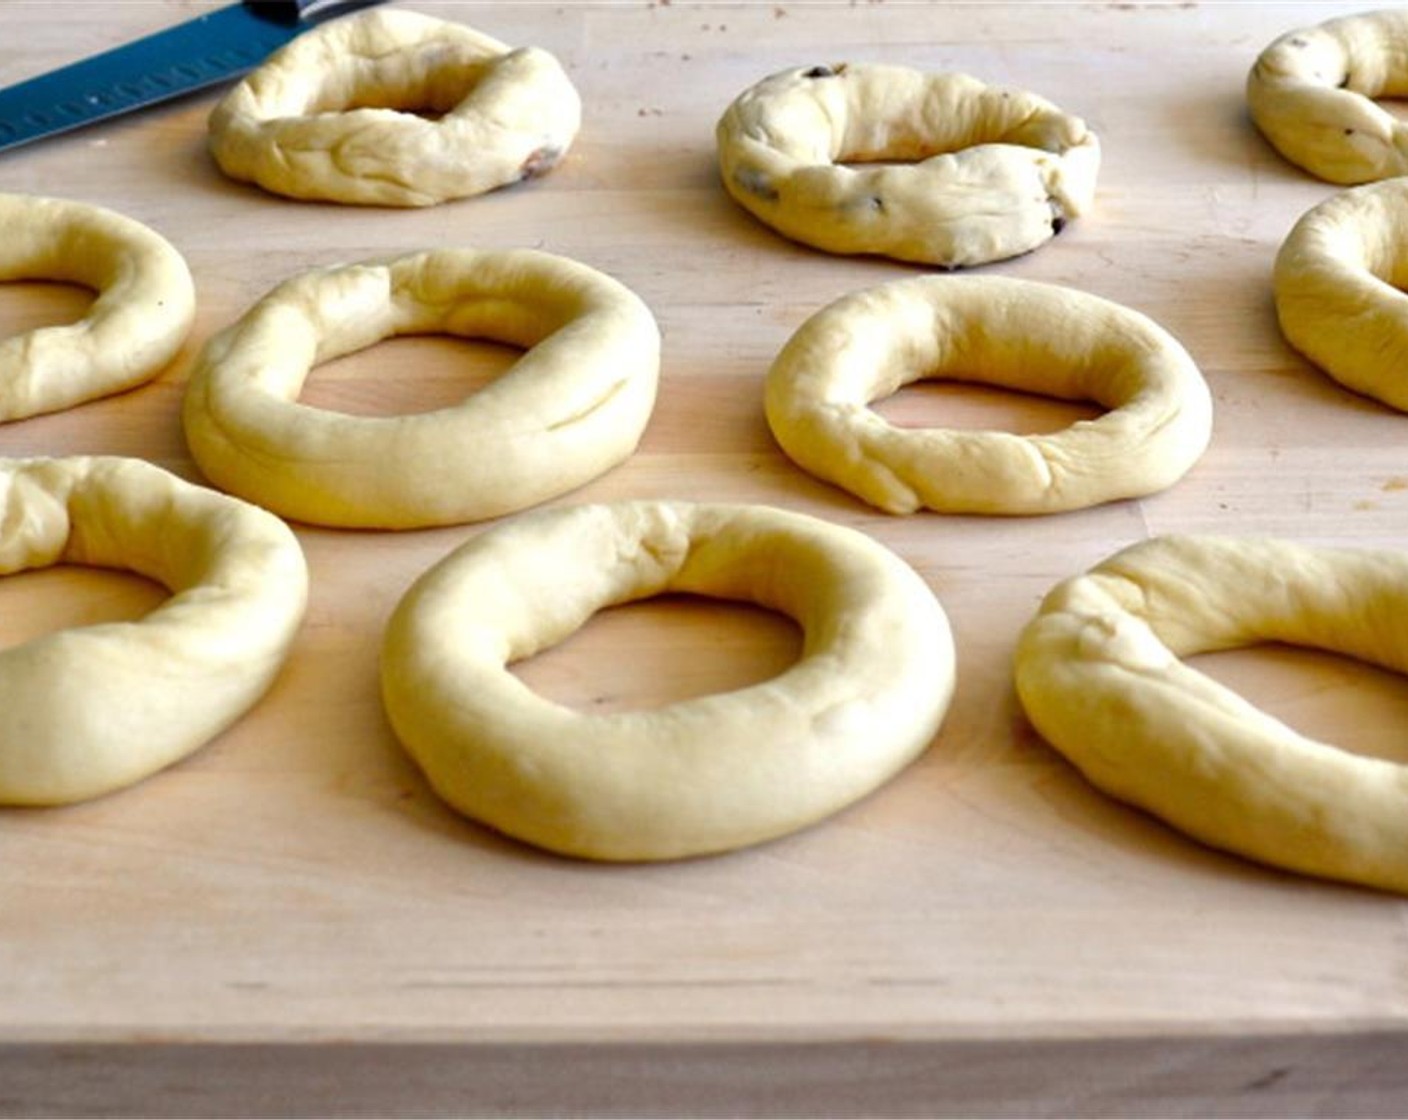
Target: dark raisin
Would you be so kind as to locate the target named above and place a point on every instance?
(820, 72)
(1058, 223)
(1298, 42)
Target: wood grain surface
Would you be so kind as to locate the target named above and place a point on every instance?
(290, 922)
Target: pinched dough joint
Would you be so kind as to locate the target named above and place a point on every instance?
(572, 407)
(694, 777)
(1014, 334)
(1311, 94)
(89, 710)
(142, 313)
(392, 108)
(1336, 284)
(1099, 675)
(960, 173)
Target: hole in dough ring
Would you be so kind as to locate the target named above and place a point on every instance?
(142, 314)
(1311, 95)
(571, 407)
(1098, 673)
(1336, 286)
(92, 709)
(702, 775)
(332, 114)
(1015, 334)
(991, 173)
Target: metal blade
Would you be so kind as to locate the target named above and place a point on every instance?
(200, 52)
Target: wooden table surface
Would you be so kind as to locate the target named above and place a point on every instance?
(291, 922)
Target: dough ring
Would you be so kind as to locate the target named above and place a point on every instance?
(141, 316)
(92, 709)
(991, 172)
(1335, 284)
(1310, 93)
(1098, 673)
(1017, 334)
(333, 114)
(698, 776)
(569, 409)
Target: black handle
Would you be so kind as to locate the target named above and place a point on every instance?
(305, 11)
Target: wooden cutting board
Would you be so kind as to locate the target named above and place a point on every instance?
(291, 922)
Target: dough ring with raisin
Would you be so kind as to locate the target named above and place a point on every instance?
(1311, 95)
(142, 314)
(1099, 675)
(92, 709)
(573, 406)
(988, 173)
(1015, 334)
(1336, 285)
(335, 114)
(697, 776)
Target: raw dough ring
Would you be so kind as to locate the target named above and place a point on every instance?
(142, 314)
(1310, 93)
(1017, 334)
(568, 410)
(92, 709)
(1098, 673)
(992, 172)
(1336, 284)
(697, 776)
(331, 115)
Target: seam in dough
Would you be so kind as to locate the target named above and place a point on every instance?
(569, 409)
(702, 775)
(142, 315)
(1015, 334)
(92, 709)
(991, 172)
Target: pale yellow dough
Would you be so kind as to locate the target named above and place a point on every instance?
(1337, 281)
(1015, 334)
(698, 776)
(990, 172)
(92, 709)
(142, 314)
(1098, 673)
(1311, 95)
(573, 406)
(333, 115)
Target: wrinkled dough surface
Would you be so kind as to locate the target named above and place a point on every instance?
(143, 312)
(334, 115)
(1311, 94)
(988, 173)
(571, 407)
(1099, 675)
(1013, 334)
(698, 776)
(1337, 284)
(89, 710)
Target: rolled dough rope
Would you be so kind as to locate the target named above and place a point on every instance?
(1015, 334)
(573, 406)
(1336, 285)
(1311, 95)
(142, 314)
(1097, 671)
(333, 115)
(92, 709)
(991, 172)
(698, 776)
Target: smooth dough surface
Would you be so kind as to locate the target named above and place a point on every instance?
(1099, 675)
(1015, 334)
(988, 172)
(702, 775)
(1311, 94)
(334, 114)
(574, 404)
(142, 313)
(1337, 283)
(88, 710)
